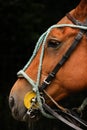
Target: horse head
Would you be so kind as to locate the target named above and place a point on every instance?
(66, 78)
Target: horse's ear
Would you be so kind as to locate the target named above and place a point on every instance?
(79, 13)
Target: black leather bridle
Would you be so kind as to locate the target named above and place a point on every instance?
(65, 57)
(65, 115)
(69, 116)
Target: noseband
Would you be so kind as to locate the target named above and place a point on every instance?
(37, 88)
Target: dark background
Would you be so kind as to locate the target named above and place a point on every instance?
(21, 24)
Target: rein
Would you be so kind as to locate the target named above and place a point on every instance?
(37, 88)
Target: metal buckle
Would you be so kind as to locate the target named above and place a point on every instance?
(47, 82)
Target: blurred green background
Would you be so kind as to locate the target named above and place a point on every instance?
(21, 24)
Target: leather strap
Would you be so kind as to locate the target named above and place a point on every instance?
(66, 118)
(76, 41)
(61, 118)
(74, 21)
(62, 61)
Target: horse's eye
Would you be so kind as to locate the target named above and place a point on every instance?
(54, 44)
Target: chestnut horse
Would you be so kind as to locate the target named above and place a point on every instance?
(56, 70)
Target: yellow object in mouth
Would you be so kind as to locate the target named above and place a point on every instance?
(30, 100)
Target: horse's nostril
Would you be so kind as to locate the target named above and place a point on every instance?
(11, 102)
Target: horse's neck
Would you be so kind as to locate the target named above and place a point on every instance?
(80, 11)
